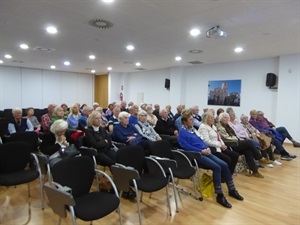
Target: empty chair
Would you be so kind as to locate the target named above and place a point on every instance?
(72, 182)
(14, 170)
(145, 173)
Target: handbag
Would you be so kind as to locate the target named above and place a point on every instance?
(264, 141)
(63, 153)
(207, 186)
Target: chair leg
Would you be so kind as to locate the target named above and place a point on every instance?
(138, 200)
(59, 221)
(28, 187)
(72, 215)
(174, 189)
(42, 192)
(168, 200)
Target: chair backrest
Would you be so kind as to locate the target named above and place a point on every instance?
(122, 176)
(30, 137)
(58, 199)
(77, 173)
(14, 156)
(133, 156)
(162, 149)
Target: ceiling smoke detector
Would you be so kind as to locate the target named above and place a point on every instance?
(101, 23)
(215, 31)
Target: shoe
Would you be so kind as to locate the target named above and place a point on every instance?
(286, 157)
(236, 195)
(269, 165)
(265, 161)
(277, 163)
(292, 156)
(276, 151)
(296, 144)
(258, 175)
(223, 202)
(261, 166)
(129, 194)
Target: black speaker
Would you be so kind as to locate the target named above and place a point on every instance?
(167, 83)
(271, 80)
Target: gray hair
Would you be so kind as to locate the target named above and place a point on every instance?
(92, 117)
(142, 112)
(59, 125)
(16, 109)
(222, 115)
(123, 114)
(55, 110)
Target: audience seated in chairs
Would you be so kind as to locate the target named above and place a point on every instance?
(133, 110)
(83, 119)
(113, 121)
(19, 124)
(58, 114)
(197, 117)
(98, 138)
(66, 110)
(145, 129)
(127, 133)
(254, 133)
(55, 139)
(189, 139)
(104, 120)
(277, 139)
(211, 137)
(244, 147)
(156, 110)
(46, 118)
(151, 118)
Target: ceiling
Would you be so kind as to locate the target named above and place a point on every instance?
(159, 30)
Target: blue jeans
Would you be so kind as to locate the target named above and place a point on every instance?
(284, 133)
(219, 167)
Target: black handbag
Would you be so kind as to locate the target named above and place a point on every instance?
(63, 153)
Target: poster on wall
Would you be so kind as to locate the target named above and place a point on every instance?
(224, 92)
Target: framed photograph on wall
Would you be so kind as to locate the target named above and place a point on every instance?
(224, 92)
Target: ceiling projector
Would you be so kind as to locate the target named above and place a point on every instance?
(215, 31)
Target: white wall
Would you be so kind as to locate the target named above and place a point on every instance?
(189, 86)
(23, 87)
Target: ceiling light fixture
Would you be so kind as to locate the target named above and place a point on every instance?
(138, 64)
(130, 47)
(178, 58)
(92, 57)
(194, 32)
(238, 49)
(24, 46)
(67, 63)
(215, 31)
(109, 68)
(93, 71)
(107, 1)
(53, 67)
(1, 61)
(7, 56)
(51, 30)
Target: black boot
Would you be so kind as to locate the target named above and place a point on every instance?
(222, 201)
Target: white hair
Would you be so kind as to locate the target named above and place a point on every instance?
(16, 109)
(222, 115)
(59, 125)
(123, 114)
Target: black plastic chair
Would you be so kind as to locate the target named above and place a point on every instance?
(72, 181)
(14, 169)
(143, 173)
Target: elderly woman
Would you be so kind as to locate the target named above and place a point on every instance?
(73, 117)
(127, 133)
(98, 138)
(284, 155)
(34, 121)
(145, 129)
(244, 147)
(211, 137)
(104, 120)
(19, 124)
(254, 133)
(189, 139)
(55, 139)
(151, 118)
(58, 113)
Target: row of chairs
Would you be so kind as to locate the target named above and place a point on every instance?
(147, 174)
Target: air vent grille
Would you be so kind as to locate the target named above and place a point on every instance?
(43, 49)
(195, 62)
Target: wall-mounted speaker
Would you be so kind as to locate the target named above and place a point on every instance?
(271, 80)
(167, 83)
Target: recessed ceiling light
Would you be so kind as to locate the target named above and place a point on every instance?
(93, 71)
(92, 57)
(130, 47)
(1, 61)
(107, 1)
(238, 49)
(24, 46)
(178, 58)
(51, 30)
(109, 68)
(67, 63)
(7, 56)
(195, 32)
(53, 67)
(138, 64)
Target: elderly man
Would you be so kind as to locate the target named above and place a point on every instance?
(46, 118)
(19, 124)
